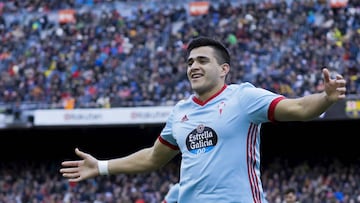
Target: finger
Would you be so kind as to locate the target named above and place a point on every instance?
(74, 179)
(342, 96)
(71, 175)
(326, 75)
(341, 82)
(339, 77)
(341, 90)
(80, 153)
(69, 170)
(70, 163)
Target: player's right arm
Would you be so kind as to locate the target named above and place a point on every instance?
(144, 160)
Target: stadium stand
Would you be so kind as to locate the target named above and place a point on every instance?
(69, 55)
(84, 61)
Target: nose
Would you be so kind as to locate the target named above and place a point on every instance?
(194, 65)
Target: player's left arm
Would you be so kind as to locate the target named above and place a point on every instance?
(310, 106)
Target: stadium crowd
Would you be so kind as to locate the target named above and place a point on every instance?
(118, 56)
(41, 183)
(112, 57)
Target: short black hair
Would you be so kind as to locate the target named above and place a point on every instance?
(290, 190)
(222, 54)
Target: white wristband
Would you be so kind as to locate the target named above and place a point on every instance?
(103, 167)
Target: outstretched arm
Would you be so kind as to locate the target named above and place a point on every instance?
(311, 106)
(144, 160)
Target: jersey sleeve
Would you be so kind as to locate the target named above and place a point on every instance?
(260, 102)
(271, 111)
(166, 135)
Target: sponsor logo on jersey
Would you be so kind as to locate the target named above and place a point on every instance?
(201, 140)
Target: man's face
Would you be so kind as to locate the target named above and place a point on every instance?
(203, 71)
(290, 198)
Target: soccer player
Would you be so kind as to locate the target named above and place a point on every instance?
(217, 131)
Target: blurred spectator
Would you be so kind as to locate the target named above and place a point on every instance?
(290, 196)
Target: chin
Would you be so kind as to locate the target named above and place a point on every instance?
(195, 87)
(198, 90)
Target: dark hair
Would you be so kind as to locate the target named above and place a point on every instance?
(221, 53)
(290, 190)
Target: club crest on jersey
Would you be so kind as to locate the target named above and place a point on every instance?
(221, 107)
(201, 140)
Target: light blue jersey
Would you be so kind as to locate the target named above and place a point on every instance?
(219, 140)
(173, 194)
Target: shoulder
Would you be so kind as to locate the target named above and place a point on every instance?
(179, 106)
(234, 89)
(243, 85)
(184, 102)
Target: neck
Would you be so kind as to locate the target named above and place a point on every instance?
(209, 94)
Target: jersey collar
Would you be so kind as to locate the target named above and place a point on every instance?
(202, 103)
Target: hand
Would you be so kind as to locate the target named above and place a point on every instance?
(80, 170)
(335, 88)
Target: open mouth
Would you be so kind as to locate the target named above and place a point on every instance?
(196, 75)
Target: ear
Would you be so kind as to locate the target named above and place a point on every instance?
(225, 68)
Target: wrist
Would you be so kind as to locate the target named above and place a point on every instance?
(103, 168)
(327, 98)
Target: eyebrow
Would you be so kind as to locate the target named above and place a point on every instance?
(198, 58)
